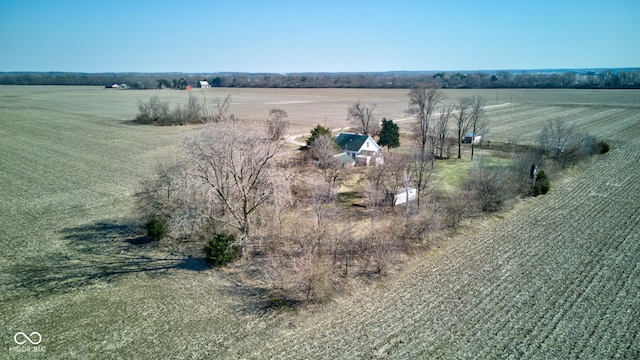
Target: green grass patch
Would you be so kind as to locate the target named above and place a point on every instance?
(448, 175)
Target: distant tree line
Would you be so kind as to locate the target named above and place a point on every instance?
(592, 79)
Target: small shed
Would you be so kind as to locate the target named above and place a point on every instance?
(401, 196)
(471, 138)
(204, 84)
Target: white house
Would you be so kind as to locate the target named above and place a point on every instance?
(362, 148)
(204, 84)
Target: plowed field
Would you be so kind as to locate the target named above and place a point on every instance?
(556, 277)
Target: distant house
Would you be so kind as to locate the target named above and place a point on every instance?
(204, 84)
(361, 148)
(471, 138)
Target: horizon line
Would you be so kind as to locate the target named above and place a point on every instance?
(564, 69)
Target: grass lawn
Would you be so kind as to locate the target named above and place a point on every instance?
(449, 174)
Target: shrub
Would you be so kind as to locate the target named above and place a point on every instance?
(542, 185)
(604, 147)
(314, 274)
(157, 112)
(220, 249)
(157, 228)
(456, 207)
(490, 186)
(277, 124)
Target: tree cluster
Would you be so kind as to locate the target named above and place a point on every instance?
(565, 145)
(158, 112)
(292, 222)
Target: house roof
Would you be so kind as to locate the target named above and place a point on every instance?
(351, 142)
(470, 134)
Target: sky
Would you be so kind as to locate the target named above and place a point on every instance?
(194, 36)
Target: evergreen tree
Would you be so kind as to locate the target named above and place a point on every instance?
(317, 132)
(390, 134)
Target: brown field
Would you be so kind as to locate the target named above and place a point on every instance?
(556, 277)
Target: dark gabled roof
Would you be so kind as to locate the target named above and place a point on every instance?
(351, 142)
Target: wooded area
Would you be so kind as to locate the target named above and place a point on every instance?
(628, 78)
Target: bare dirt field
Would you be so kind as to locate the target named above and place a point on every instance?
(556, 277)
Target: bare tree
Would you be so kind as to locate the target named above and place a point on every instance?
(387, 179)
(323, 150)
(477, 119)
(234, 167)
(362, 119)
(193, 110)
(171, 198)
(463, 121)
(277, 124)
(205, 108)
(555, 138)
(422, 102)
(222, 110)
(562, 143)
(437, 133)
(442, 127)
(420, 171)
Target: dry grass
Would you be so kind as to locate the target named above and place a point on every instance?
(556, 277)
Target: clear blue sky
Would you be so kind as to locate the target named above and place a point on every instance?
(327, 35)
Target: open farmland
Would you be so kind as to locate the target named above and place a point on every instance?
(557, 277)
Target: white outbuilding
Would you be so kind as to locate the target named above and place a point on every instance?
(471, 138)
(403, 194)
